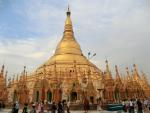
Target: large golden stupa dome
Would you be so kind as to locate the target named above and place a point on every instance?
(68, 55)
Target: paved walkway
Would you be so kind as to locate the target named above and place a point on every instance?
(20, 111)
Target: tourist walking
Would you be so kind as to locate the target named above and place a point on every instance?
(63, 106)
(60, 108)
(49, 107)
(68, 107)
(16, 107)
(139, 104)
(145, 103)
(131, 106)
(39, 107)
(99, 103)
(33, 110)
(25, 109)
(124, 106)
(42, 108)
(86, 105)
(53, 108)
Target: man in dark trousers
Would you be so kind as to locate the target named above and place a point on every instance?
(139, 104)
(53, 109)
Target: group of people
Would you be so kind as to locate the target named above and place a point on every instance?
(136, 105)
(129, 106)
(40, 107)
(60, 107)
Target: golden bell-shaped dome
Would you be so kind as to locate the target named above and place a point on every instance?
(68, 51)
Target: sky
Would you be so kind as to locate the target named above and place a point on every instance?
(116, 30)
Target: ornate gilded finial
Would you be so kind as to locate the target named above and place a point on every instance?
(116, 68)
(108, 73)
(68, 11)
(135, 68)
(106, 61)
(127, 70)
(3, 66)
(107, 67)
(2, 70)
(68, 8)
(117, 72)
(135, 73)
(24, 68)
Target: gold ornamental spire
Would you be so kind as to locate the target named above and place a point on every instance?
(128, 74)
(135, 73)
(68, 20)
(2, 70)
(107, 67)
(117, 72)
(108, 73)
(68, 44)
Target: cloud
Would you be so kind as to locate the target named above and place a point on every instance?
(30, 52)
(43, 17)
(118, 30)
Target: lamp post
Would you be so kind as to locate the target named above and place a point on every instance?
(90, 56)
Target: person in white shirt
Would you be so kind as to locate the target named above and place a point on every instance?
(131, 106)
(16, 107)
(68, 107)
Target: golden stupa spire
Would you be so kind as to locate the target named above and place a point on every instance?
(68, 44)
(135, 73)
(128, 74)
(108, 73)
(2, 70)
(68, 23)
(107, 67)
(117, 72)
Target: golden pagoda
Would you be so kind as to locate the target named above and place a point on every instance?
(109, 85)
(129, 85)
(69, 75)
(138, 91)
